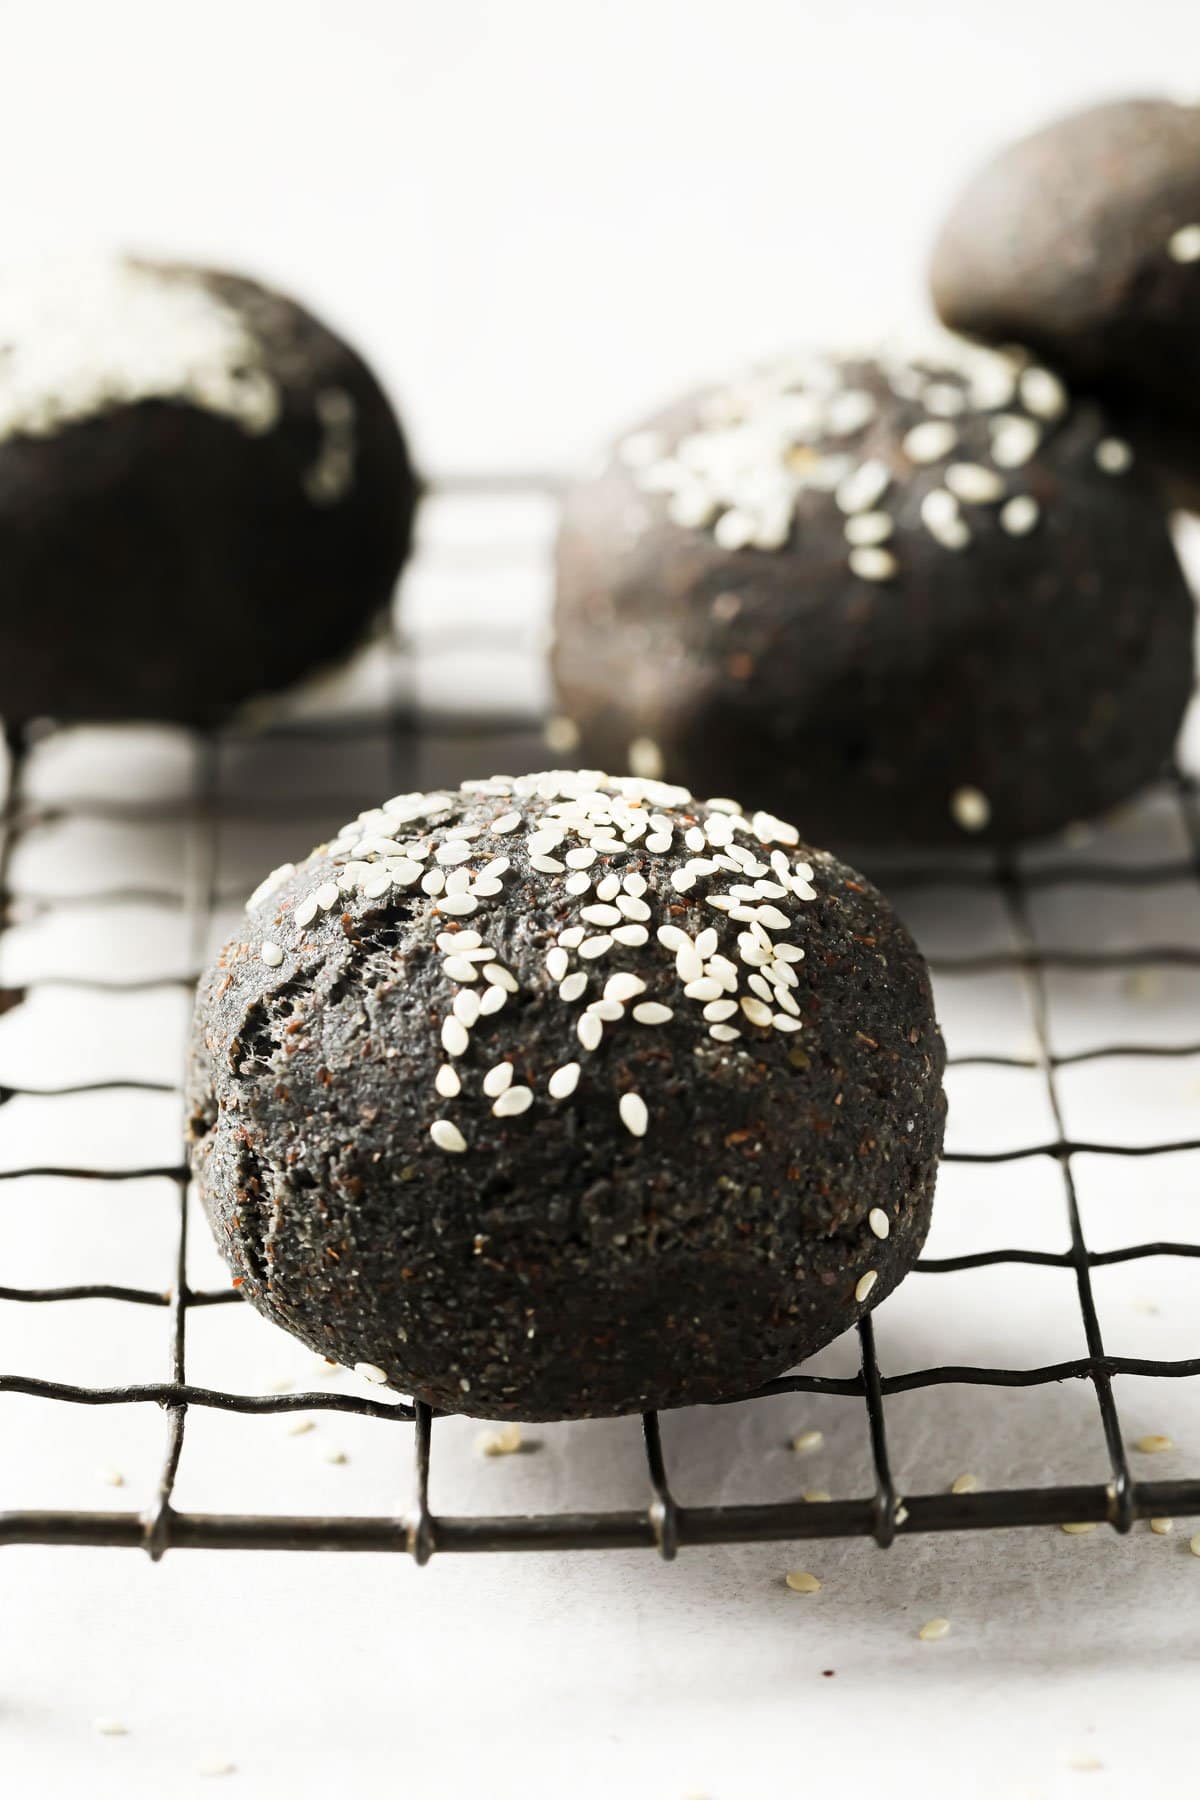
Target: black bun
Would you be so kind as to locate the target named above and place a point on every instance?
(712, 1185)
(1084, 241)
(902, 601)
(204, 494)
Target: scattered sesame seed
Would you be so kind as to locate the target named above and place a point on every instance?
(371, 1372)
(507, 822)
(112, 1477)
(561, 735)
(724, 1034)
(336, 1457)
(505, 1442)
(865, 1283)
(326, 896)
(497, 1079)
(860, 490)
(1162, 1527)
(1019, 515)
(1081, 1529)
(1153, 1444)
(879, 1222)
(970, 809)
(574, 987)
(933, 1630)
(300, 1427)
(110, 1728)
(272, 955)
(943, 521)
(459, 968)
(590, 1030)
(1113, 456)
(974, 484)
(1183, 246)
(447, 1136)
(873, 564)
(564, 1081)
(1015, 440)
(634, 1115)
(1194, 1544)
(801, 1582)
(645, 757)
(964, 1484)
(869, 528)
(216, 1766)
(808, 1440)
(816, 1496)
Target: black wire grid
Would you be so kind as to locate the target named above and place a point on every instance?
(662, 1524)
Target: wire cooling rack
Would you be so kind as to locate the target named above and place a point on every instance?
(427, 727)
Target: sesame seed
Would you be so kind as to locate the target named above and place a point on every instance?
(433, 883)
(600, 915)
(593, 947)
(801, 1582)
(943, 521)
(873, 564)
(301, 1427)
(929, 441)
(623, 987)
(861, 489)
(507, 822)
(547, 865)
(1183, 246)
(716, 1010)
(505, 1442)
(113, 1477)
(608, 1010)
(579, 883)
(498, 1077)
(454, 1036)
(306, 912)
(933, 1630)
(1113, 456)
(564, 1081)
(327, 896)
(865, 529)
(631, 934)
(807, 1440)
(216, 1765)
(1154, 1444)
(557, 963)
(512, 1102)
(590, 1030)
(1194, 1544)
(466, 1007)
(272, 955)
(970, 809)
(573, 987)
(645, 757)
(1080, 1529)
(447, 1136)
(110, 1728)
(650, 1012)
(458, 905)
(460, 968)
(974, 484)
(879, 1222)
(371, 1372)
(757, 1011)
(782, 1022)
(865, 1283)
(964, 1484)
(1162, 1527)
(496, 975)
(493, 1000)
(724, 1034)
(1019, 515)
(580, 859)
(634, 1115)
(1042, 393)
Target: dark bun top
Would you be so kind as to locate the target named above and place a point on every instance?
(1084, 239)
(204, 492)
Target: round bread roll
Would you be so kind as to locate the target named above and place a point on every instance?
(1083, 240)
(204, 493)
(564, 1096)
(901, 601)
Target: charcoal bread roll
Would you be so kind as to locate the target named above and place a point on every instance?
(563, 1096)
(204, 494)
(1083, 240)
(902, 600)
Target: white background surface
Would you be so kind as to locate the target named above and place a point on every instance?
(537, 219)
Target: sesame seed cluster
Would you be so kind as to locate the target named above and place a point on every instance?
(78, 340)
(818, 425)
(617, 852)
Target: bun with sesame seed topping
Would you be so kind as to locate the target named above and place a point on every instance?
(567, 1096)
(902, 599)
(204, 494)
